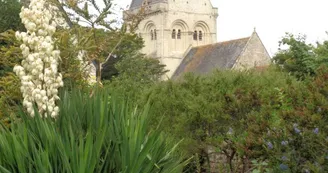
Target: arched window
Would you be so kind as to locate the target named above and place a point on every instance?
(195, 35)
(179, 34)
(155, 34)
(200, 35)
(151, 35)
(173, 34)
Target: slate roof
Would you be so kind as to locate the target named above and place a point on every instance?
(204, 59)
(138, 3)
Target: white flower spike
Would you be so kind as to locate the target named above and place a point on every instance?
(38, 72)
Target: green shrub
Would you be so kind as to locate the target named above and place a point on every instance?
(300, 58)
(10, 55)
(9, 15)
(235, 111)
(92, 134)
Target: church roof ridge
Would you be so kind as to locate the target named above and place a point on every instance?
(223, 42)
(222, 55)
(138, 3)
(229, 41)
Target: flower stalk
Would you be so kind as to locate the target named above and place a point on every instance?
(38, 71)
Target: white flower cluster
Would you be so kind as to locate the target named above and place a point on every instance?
(88, 70)
(38, 72)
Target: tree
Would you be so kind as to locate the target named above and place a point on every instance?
(299, 59)
(9, 15)
(321, 52)
(128, 48)
(105, 43)
(135, 74)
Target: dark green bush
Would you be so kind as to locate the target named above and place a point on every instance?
(9, 16)
(10, 55)
(240, 113)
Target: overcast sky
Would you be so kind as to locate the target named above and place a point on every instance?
(271, 18)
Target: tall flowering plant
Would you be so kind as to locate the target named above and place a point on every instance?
(38, 71)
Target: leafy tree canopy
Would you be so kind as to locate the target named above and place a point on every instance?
(9, 15)
(300, 58)
(104, 44)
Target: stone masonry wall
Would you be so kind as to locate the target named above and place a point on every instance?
(254, 55)
(185, 16)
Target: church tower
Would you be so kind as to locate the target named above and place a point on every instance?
(171, 28)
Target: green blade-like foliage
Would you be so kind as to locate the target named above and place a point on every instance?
(92, 134)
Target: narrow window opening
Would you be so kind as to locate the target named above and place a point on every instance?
(195, 35)
(151, 35)
(200, 35)
(173, 34)
(179, 34)
(155, 34)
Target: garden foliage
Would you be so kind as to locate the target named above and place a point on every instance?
(10, 55)
(300, 58)
(9, 16)
(91, 134)
(273, 120)
(255, 120)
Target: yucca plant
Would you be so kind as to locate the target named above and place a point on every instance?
(91, 134)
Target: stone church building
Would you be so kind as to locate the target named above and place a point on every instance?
(182, 35)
